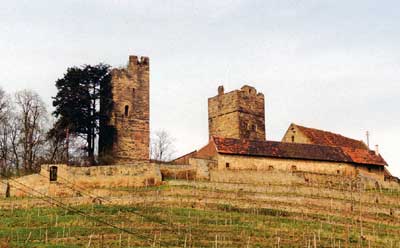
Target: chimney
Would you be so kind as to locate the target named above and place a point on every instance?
(221, 90)
(367, 133)
(377, 150)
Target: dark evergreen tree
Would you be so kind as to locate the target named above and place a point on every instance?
(80, 94)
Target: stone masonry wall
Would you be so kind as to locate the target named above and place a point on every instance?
(229, 162)
(130, 112)
(238, 114)
(74, 181)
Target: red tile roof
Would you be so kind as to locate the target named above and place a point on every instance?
(296, 151)
(362, 156)
(320, 137)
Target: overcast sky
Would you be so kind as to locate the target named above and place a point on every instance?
(327, 64)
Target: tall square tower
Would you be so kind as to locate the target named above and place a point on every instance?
(126, 135)
(237, 114)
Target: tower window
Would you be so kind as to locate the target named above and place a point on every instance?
(251, 127)
(292, 138)
(126, 110)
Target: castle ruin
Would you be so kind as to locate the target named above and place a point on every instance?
(125, 135)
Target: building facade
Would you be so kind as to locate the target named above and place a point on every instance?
(239, 154)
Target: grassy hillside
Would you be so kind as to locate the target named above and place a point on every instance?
(209, 214)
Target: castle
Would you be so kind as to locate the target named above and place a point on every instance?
(237, 144)
(236, 122)
(237, 134)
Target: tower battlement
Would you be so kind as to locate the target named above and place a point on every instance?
(135, 65)
(237, 114)
(135, 60)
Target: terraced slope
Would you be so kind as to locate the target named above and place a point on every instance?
(184, 213)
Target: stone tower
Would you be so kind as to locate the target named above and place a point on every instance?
(125, 136)
(237, 114)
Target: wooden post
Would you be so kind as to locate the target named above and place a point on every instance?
(90, 240)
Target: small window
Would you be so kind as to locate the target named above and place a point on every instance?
(53, 173)
(126, 110)
(338, 172)
(251, 127)
(270, 168)
(227, 165)
(292, 138)
(294, 168)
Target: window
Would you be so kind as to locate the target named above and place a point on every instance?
(293, 138)
(251, 127)
(294, 168)
(270, 168)
(227, 165)
(369, 169)
(53, 173)
(126, 110)
(338, 172)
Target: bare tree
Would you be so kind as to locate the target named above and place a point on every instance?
(4, 103)
(31, 120)
(162, 147)
(57, 144)
(14, 134)
(5, 126)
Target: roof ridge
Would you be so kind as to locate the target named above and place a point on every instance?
(313, 133)
(324, 131)
(297, 150)
(280, 142)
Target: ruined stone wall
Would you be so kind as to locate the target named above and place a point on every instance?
(129, 119)
(195, 169)
(74, 181)
(369, 171)
(244, 177)
(238, 114)
(235, 162)
(185, 158)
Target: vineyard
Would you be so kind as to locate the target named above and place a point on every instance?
(184, 213)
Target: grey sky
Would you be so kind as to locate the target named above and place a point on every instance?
(332, 65)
